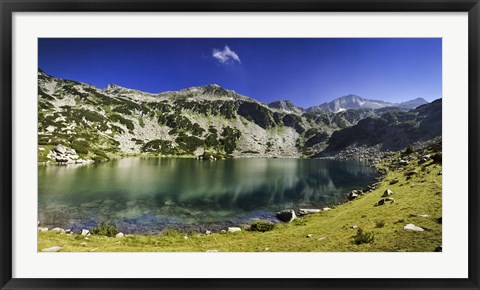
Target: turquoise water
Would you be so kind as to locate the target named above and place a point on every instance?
(146, 195)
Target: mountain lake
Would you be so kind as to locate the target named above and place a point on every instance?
(147, 195)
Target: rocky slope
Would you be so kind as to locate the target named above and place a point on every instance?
(206, 121)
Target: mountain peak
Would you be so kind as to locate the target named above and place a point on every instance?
(111, 87)
(286, 106)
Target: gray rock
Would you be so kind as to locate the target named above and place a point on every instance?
(207, 232)
(83, 244)
(326, 209)
(403, 162)
(422, 160)
(305, 211)
(52, 249)
(309, 236)
(387, 192)
(287, 215)
(380, 202)
(42, 229)
(85, 232)
(60, 149)
(234, 229)
(61, 160)
(352, 195)
(413, 227)
(119, 235)
(384, 200)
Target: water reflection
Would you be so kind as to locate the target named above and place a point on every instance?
(148, 194)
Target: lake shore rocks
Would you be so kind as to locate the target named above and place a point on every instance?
(286, 216)
(234, 229)
(63, 155)
(307, 211)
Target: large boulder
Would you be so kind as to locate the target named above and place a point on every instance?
(286, 216)
(387, 192)
(354, 194)
(60, 149)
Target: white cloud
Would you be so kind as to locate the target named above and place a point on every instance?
(226, 55)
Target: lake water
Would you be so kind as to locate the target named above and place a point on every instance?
(147, 195)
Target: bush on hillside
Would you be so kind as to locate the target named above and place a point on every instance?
(363, 237)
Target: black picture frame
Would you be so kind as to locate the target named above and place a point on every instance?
(8, 7)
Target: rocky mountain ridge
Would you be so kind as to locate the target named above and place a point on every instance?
(205, 121)
(355, 102)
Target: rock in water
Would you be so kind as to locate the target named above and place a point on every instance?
(52, 249)
(286, 216)
(387, 193)
(234, 229)
(413, 227)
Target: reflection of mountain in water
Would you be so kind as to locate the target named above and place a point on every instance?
(215, 191)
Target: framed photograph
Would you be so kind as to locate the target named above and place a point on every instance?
(167, 144)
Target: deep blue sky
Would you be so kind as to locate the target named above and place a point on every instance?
(306, 71)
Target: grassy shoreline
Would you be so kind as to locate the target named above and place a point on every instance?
(416, 189)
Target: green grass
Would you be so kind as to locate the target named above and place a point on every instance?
(332, 230)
